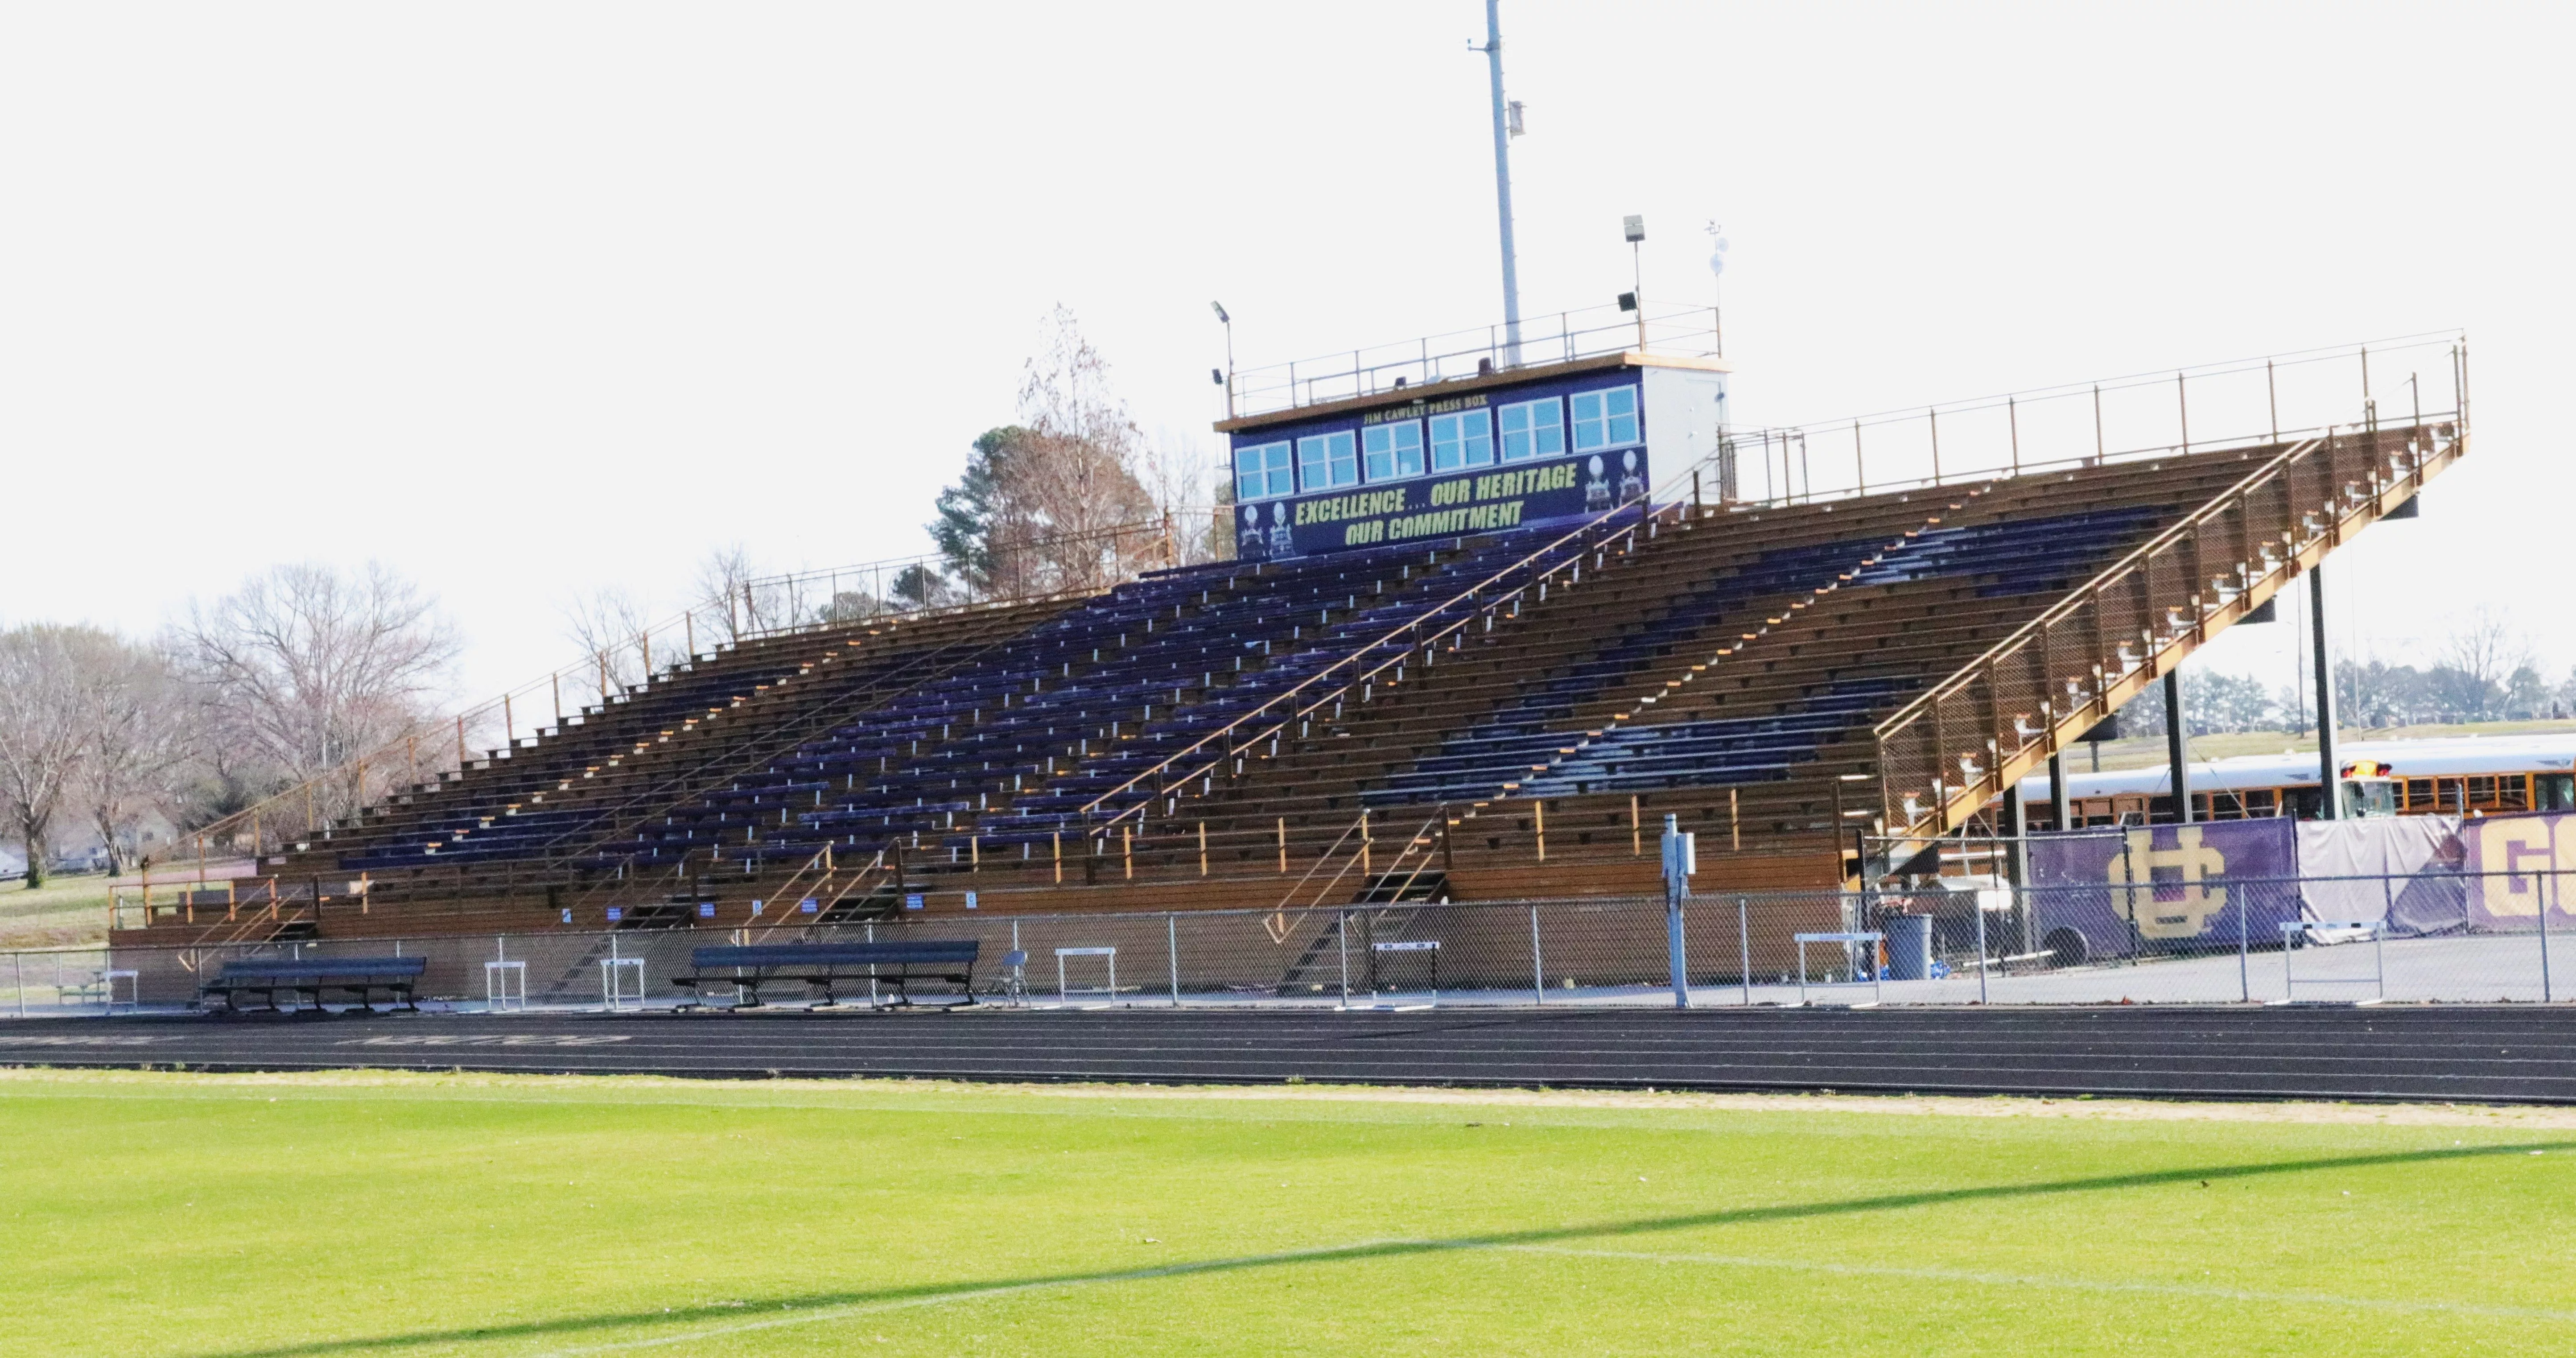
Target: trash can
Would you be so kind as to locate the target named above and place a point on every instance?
(1909, 947)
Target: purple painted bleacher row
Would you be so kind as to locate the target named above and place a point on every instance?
(1526, 750)
(1010, 751)
(1005, 755)
(504, 823)
(498, 824)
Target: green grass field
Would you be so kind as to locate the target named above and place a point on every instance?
(168, 1214)
(65, 912)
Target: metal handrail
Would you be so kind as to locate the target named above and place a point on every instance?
(257, 816)
(1588, 332)
(1159, 769)
(2202, 600)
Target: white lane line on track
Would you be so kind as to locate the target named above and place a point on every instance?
(1951, 1275)
(830, 1313)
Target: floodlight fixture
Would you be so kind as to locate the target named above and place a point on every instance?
(1513, 118)
(1636, 227)
(1222, 318)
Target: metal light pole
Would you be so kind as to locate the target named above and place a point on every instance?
(1503, 131)
(1635, 229)
(2329, 779)
(1681, 859)
(1228, 322)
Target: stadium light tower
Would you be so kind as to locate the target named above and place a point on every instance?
(1507, 125)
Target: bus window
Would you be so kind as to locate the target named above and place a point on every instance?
(2553, 792)
(2369, 797)
(2419, 795)
(2306, 803)
(2262, 801)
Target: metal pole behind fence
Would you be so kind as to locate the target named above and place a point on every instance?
(18, 979)
(1981, 951)
(1172, 946)
(1676, 950)
(2379, 956)
(2546, 996)
(1538, 968)
(1744, 946)
(1342, 941)
(2244, 978)
(2288, 990)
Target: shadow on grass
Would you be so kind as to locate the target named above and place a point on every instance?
(802, 1308)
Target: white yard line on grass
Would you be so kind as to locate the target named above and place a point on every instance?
(2200, 1291)
(829, 1313)
(1951, 1275)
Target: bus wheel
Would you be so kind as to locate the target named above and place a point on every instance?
(2065, 947)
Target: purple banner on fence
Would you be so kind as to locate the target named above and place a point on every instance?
(2523, 854)
(2109, 893)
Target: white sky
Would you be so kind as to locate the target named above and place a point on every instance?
(527, 299)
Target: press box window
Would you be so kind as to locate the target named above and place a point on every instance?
(1465, 439)
(1533, 429)
(1327, 460)
(1393, 450)
(1605, 419)
(1262, 472)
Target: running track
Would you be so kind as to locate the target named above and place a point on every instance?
(2464, 1054)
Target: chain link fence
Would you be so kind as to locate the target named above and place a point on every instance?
(2432, 937)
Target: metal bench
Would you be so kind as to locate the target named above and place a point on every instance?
(300, 978)
(823, 966)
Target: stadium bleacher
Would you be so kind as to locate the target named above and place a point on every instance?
(1722, 663)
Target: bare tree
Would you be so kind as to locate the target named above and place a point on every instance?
(736, 600)
(2485, 651)
(1078, 475)
(310, 670)
(42, 731)
(141, 730)
(1176, 474)
(608, 624)
(1043, 502)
